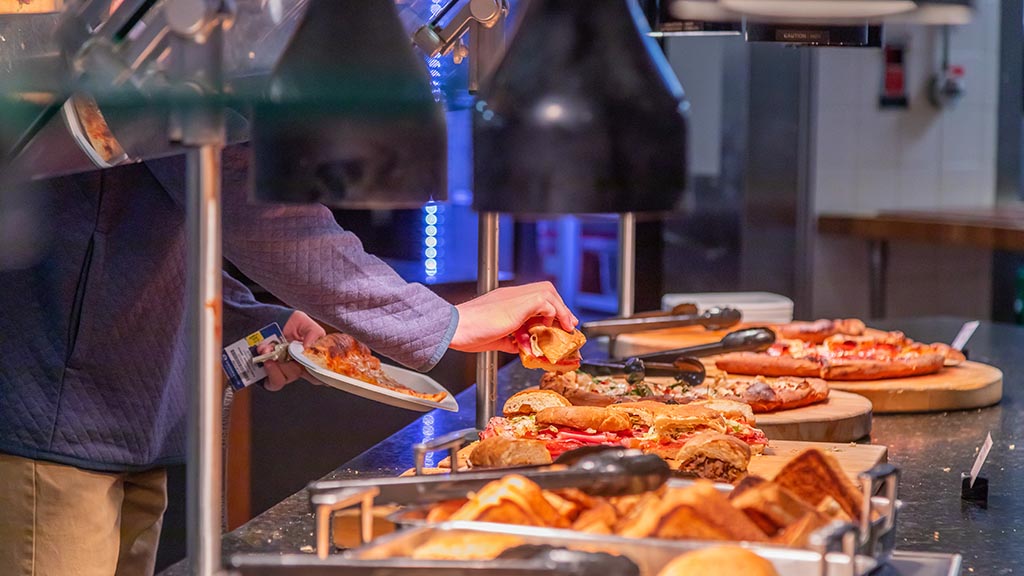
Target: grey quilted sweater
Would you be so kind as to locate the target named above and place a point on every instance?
(93, 369)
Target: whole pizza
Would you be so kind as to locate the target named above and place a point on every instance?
(867, 356)
(762, 394)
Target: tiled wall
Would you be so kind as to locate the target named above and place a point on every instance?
(870, 159)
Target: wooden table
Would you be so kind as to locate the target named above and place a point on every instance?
(996, 228)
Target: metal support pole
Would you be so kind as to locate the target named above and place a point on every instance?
(878, 270)
(204, 312)
(627, 264)
(487, 280)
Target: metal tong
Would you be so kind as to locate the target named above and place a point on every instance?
(685, 370)
(681, 363)
(712, 319)
(746, 340)
(610, 471)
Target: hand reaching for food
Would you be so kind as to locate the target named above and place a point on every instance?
(485, 322)
(299, 328)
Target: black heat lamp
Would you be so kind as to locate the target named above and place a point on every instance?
(350, 119)
(583, 115)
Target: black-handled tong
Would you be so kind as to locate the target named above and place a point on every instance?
(747, 340)
(712, 319)
(687, 370)
(605, 471)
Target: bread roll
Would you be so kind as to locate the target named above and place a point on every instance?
(583, 418)
(465, 546)
(719, 560)
(532, 401)
(501, 452)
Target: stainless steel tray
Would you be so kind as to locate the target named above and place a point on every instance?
(876, 538)
(649, 554)
(901, 564)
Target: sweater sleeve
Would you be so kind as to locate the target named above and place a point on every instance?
(301, 255)
(243, 314)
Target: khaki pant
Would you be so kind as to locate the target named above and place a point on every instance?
(58, 520)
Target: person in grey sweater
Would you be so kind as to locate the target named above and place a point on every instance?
(92, 378)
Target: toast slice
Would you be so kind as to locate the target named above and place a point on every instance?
(798, 533)
(697, 512)
(813, 475)
(771, 507)
(512, 500)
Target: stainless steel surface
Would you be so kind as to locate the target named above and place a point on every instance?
(486, 47)
(627, 264)
(712, 319)
(878, 272)
(650, 554)
(204, 308)
(326, 503)
(806, 213)
(487, 280)
(451, 442)
(438, 38)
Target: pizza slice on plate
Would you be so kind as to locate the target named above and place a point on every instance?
(344, 355)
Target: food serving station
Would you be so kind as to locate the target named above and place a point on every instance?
(576, 112)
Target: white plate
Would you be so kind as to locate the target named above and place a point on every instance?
(415, 380)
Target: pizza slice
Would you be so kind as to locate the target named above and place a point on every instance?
(843, 357)
(817, 331)
(763, 395)
(343, 354)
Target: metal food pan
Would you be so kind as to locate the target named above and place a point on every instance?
(901, 564)
(651, 555)
(876, 538)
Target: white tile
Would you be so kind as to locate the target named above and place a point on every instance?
(964, 137)
(836, 137)
(920, 139)
(840, 75)
(878, 145)
(878, 189)
(966, 188)
(919, 189)
(835, 191)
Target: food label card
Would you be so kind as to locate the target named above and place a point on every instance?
(237, 358)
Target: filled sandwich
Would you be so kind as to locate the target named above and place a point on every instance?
(549, 347)
(722, 432)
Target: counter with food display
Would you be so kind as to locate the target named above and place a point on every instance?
(930, 449)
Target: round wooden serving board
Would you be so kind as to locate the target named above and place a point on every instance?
(969, 385)
(844, 417)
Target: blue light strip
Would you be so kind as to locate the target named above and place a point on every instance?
(433, 239)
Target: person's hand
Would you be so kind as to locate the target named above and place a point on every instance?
(486, 321)
(298, 328)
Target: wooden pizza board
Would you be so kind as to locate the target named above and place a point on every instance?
(844, 417)
(970, 385)
(854, 458)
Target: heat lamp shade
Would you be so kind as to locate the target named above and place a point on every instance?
(939, 12)
(795, 10)
(350, 119)
(583, 115)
